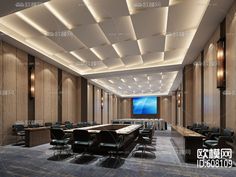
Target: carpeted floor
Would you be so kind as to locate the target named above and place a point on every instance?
(18, 161)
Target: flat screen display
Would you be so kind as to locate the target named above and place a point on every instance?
(145, 105)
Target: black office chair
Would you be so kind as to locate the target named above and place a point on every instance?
(115, 122)
(82, 141)
(48, 124)
(59, 140)
(145, 147)
(127, 122)
(111, 142)
(19, 131)
(219, 140)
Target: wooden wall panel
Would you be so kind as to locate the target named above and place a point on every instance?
(111, 107)
(125, 108)
(173, 109)
(54, 94)
(90, 103)
(9, 99)
(211, 93)
(197, 98)
(97, 105)
(69, 98)
(1, 94)
(165, 108)
(231, 73)
(22, 86)
(46, 93)
(105, 108)
(39, 90)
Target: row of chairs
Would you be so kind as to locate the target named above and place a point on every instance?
(214, 138)
(83, 142)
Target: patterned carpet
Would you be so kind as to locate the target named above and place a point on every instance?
(33, 162)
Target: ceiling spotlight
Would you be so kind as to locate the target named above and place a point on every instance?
(135, 79)
(148, 78)
(129, 86)
(139, 86)
(111, 81)
(122, 80)
(150, 85)
(119, 87)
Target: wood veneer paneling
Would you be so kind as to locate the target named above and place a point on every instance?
(105, 108)
(97, 105)
(9, 85)
(165, 108)
(1, 94)
(90, 102)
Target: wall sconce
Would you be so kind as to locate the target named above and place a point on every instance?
(102, 102)
(178, 99)
(32, 82)
(220, 64)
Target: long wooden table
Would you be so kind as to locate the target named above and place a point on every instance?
(120, 128)
(187, 142)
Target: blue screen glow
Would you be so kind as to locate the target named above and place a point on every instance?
(145, 105)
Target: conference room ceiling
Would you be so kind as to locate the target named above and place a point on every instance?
(94, 37)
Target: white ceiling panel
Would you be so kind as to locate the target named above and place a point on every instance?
(136, 6)
(107, 9)
(179, 40)
(190, 19)
(118, 29)
(71, 13)
(45, 44)
(113, 63)
(153, 57)
(91, 35)
(105, 52)
(150, 22)
(70, 59)
(42, 17)
(175, 54)
(132, 60)
(67, 40)
(152, 44)
(127, 48)
(87, 55)
(20, 26)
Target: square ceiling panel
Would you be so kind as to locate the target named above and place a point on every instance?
(69, 12)
(150, 22)
(190, 19)
(153, 57)
(46, 22)
(107, 9)
(105, 52)
(91, 35)
(136, 6)
(132, 60)
(45, 44)
(179, 40)
(118, 29)
(86, 55)
(127, 48)
(20, 26)
(67, 40)
(177, 54)
(152, 44)
(113, 63)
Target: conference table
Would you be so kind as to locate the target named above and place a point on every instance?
(129, 132)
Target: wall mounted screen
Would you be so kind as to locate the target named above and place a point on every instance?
(144, 105)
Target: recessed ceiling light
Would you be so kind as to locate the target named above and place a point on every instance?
(148, 78)
(122, 80)
(111, 81)
(119, 87)
(139, 86)
(135, 79)
(129, 86)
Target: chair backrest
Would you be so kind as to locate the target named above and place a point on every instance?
(18, 127)
(81, 135)
(48, 124)
(127, 122)
(108, 136)
(57, 133)
(115, 122)
(228, 132)
(69, 125)
(215, 130)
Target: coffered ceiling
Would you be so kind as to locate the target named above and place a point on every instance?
(94, 37)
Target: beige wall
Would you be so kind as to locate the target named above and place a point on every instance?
(14, 90)
(97, 105)
(231, 70)
(46, 97)
(197, 86)
(165, 108)
(90, 102)
(69, 98)
(211, 93)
